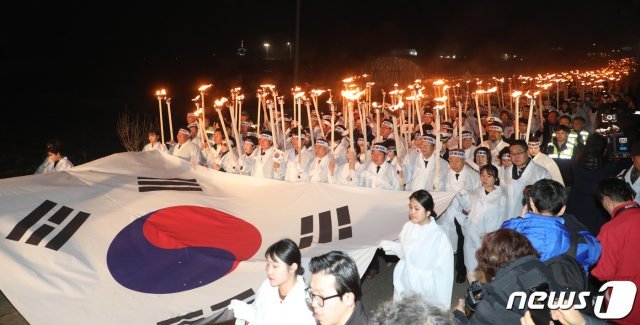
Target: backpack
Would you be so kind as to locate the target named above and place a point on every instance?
(568, 273)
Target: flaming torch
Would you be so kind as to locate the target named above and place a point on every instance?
(516, 94)
(161, 94)
(219, 105)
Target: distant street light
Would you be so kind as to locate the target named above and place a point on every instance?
(289, 45)
(266, 47)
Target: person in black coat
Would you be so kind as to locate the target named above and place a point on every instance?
(507, 263)
(592, 167)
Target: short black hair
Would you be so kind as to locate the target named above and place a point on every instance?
(485, 150)
(491, 170)
(342, 267)
(548, 196)
(567, 117)
(287, 251)
(563, 128)
(520, 143)
(616, 189)
(579, 118)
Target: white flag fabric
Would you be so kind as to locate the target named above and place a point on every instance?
(146, 238)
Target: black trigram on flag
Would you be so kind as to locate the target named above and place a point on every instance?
(53, 223)
(325, 233)
(150, 184)
(198, 315)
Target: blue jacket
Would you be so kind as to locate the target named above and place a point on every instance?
(551, 236)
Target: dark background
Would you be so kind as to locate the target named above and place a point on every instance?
(69, 70)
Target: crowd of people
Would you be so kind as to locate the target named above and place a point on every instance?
(525, 213)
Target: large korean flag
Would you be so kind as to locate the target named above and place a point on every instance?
(146, 238)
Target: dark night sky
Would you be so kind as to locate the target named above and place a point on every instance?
(108, 32)
(74, 67)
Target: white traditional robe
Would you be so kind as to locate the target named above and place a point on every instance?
(496, 150)
(419, 177)
(626, 176)
(484, 213)
(468, 180)
(531, 174)
(155, 146)
(294, 167)
(318, 171)
(547, 163)
(263, 165)
(385, 179)
(426, 264)
(187, 151)
(293, 310)
(345, 176)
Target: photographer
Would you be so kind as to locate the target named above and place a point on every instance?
(509, 263)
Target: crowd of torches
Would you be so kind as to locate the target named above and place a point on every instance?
(406, 105)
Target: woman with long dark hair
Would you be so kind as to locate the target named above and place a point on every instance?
(281, 297)
(426, 256)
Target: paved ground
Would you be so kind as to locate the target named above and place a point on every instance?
(375, 291)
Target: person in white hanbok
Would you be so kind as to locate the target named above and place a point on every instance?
(505, 164)
(483, 211)
(630, 175)
(281, 299)
(246, 159)
(377, 173)
(544, 160)
(263, 165)
(426, 256)
(55, 161)
(318, 171)
(185, 149)
(495, 143)
(226, 161)
(154, 143)
(296, 161)
(523, 172)
(419, 167)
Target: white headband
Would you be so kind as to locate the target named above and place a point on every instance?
(320, 142)
(387, 124)
(266, 136)
(185, 132)
(467, 136)
(494, 128)
(456, 153)
(481, 153)
(379, 148)
(431, 140)
(534, 144)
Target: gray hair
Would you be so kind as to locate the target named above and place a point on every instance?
(412, 309)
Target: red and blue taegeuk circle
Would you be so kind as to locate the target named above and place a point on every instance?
(180, 248)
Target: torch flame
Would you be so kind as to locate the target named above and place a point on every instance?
(438, 82)
(204, 87)
(516, 93)
(492, 90)
(352, 94)
(220, 102)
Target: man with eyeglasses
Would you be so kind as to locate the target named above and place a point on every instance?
(523, 173)
(334, 291)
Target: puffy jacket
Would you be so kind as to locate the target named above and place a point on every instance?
(519, 275)
(551, 236)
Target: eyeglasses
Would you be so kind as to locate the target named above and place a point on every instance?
(318, 300)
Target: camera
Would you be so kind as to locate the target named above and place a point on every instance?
(609, 118)
(474, 296)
